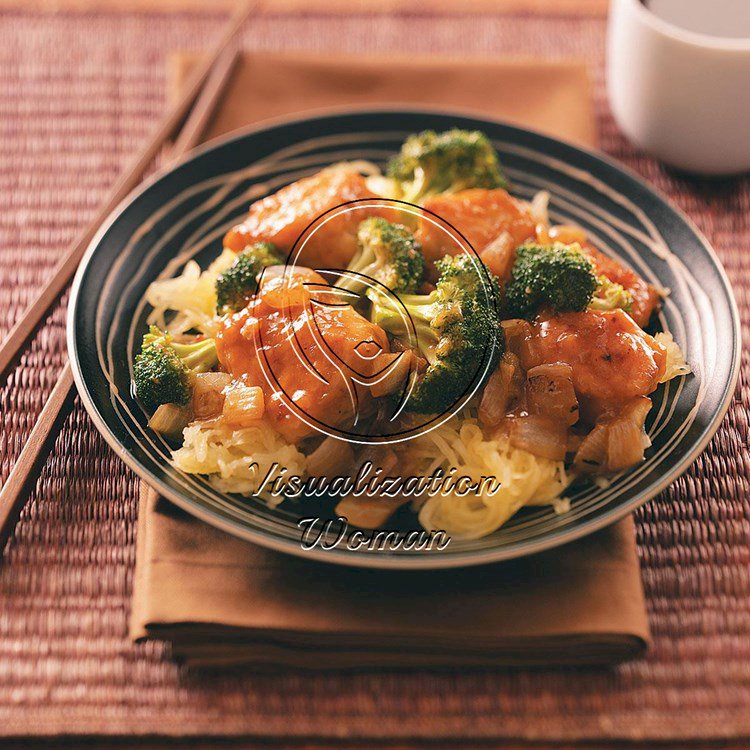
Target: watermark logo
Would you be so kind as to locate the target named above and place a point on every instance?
(368, 480)
(348, 356)
(330, 534)
(343, 356)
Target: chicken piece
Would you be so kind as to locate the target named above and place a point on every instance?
(281, 218)
(645, 296)
(480, 215)
(303, 352)
(612, 359)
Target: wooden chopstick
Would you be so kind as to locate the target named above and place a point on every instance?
(51, 418)
(205, 107)
(57, 407)
(66, 267)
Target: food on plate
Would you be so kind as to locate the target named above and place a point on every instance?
(464, 337)
(482, 216)
(387, 253)
(453, 324)
(164, 368)
(236, 286)
(285, 304)
(431, 163)
(282, 218)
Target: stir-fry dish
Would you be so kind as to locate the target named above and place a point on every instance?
(421, 321)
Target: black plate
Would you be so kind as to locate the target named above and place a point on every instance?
(193, 203)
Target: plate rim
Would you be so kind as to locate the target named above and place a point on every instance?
(381, 560)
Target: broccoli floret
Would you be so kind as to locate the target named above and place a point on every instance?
(431, 162)
(239, 282)
(457, 327)
(163, 369)
(387, 253)
(558, 276)
(610, 296)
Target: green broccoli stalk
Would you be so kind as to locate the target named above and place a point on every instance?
(558, 276)
(610, 296)
(163, 369)
(431, 162)
(387, 253)
(239, 282)
(456, 326)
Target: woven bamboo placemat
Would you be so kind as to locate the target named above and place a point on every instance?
(546, 7)
(77, 95)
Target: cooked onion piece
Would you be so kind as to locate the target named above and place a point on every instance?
(331, 458)
(380, 456)
(550, 393)
(208, 397)
(370, 511)
(521, 340)
(503, 387)
(616, 442)
(591, 456)
(243, 404)
(627, 438)
(395, 376)
(169, 419)
(499, 255)
(676, 364)
(539, 208)
(538, 435)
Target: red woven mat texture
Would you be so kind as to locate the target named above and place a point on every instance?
(78, 94)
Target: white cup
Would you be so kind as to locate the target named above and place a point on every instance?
(682, 96)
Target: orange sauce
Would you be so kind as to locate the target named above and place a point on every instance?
(480, 215)
(282, 218)
(302, 352)
(612, 359)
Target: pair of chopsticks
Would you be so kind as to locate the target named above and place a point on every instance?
(184, 124)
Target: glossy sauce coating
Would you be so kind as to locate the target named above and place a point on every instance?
(281, 218)
(480, 215)
(612, 359)
(284, 328)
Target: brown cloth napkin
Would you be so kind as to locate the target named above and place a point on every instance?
(549, 96)
(221, 600)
